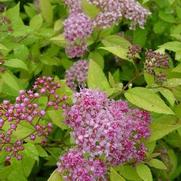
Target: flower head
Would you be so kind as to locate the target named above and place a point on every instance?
(73, 5)
(76, 76)
(74, 50)
(74, 167)
(103, 127)
(77, 26)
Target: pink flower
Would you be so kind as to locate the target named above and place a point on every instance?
(77, 26)
(76, 167)
(103, 127)
(76, 75)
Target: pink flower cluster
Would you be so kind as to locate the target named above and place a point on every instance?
(26, 109)
(133, 11)
(77, 28)
(74, 166)
(73, 5)
(76, 50)
(113, 10)
(110, 12)
(76, 76)
(108, 129)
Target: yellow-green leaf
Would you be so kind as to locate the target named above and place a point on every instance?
(55, 176)
(144, 172)
(114, 176)
(148, 100)
(47, 11)
(157, 164)
(118, 51)
(96, 77)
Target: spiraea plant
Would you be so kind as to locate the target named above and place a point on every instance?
(90, 90)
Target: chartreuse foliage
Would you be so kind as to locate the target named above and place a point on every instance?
(32, 44)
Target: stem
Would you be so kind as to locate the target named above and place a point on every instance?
(138, 74)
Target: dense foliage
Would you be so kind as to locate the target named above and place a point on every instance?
(90, 90)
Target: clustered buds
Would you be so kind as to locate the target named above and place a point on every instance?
(26, 110)
(104, 130)
(156, 60)
(6, 25)
(78, 26)
(76, 76)
(133, 51)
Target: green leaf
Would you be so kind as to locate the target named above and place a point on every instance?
(157, 164)
(17, 174)
(150, 146)
(98, 58)
(144, 172)
(111, 80)
(96, 77)
(165, 128)
(149, 78)
(167, 17)
(148, 100)
(89, 9)
(47, 11)
(114, 176)
(160, 26)
(47, 60)
(14, 15)
(55, 176)
(2, 47)
(168, 95)
(21, 52)
(145, 1)
(23, 130)
(5, 171)
(115, 40)
(11, 82)
(64, 90)
(30, 149)
(58, 40)
(140, 36)
(36, 22)
(177, 68)
(118, 51)
(178, 10)
(57, 118)
(58, 25)
(173, 161)
(128, 172)
(174, 46)
(41, 151)
(27, 164)
(16, 63)
(174, 82)
(30, 10)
